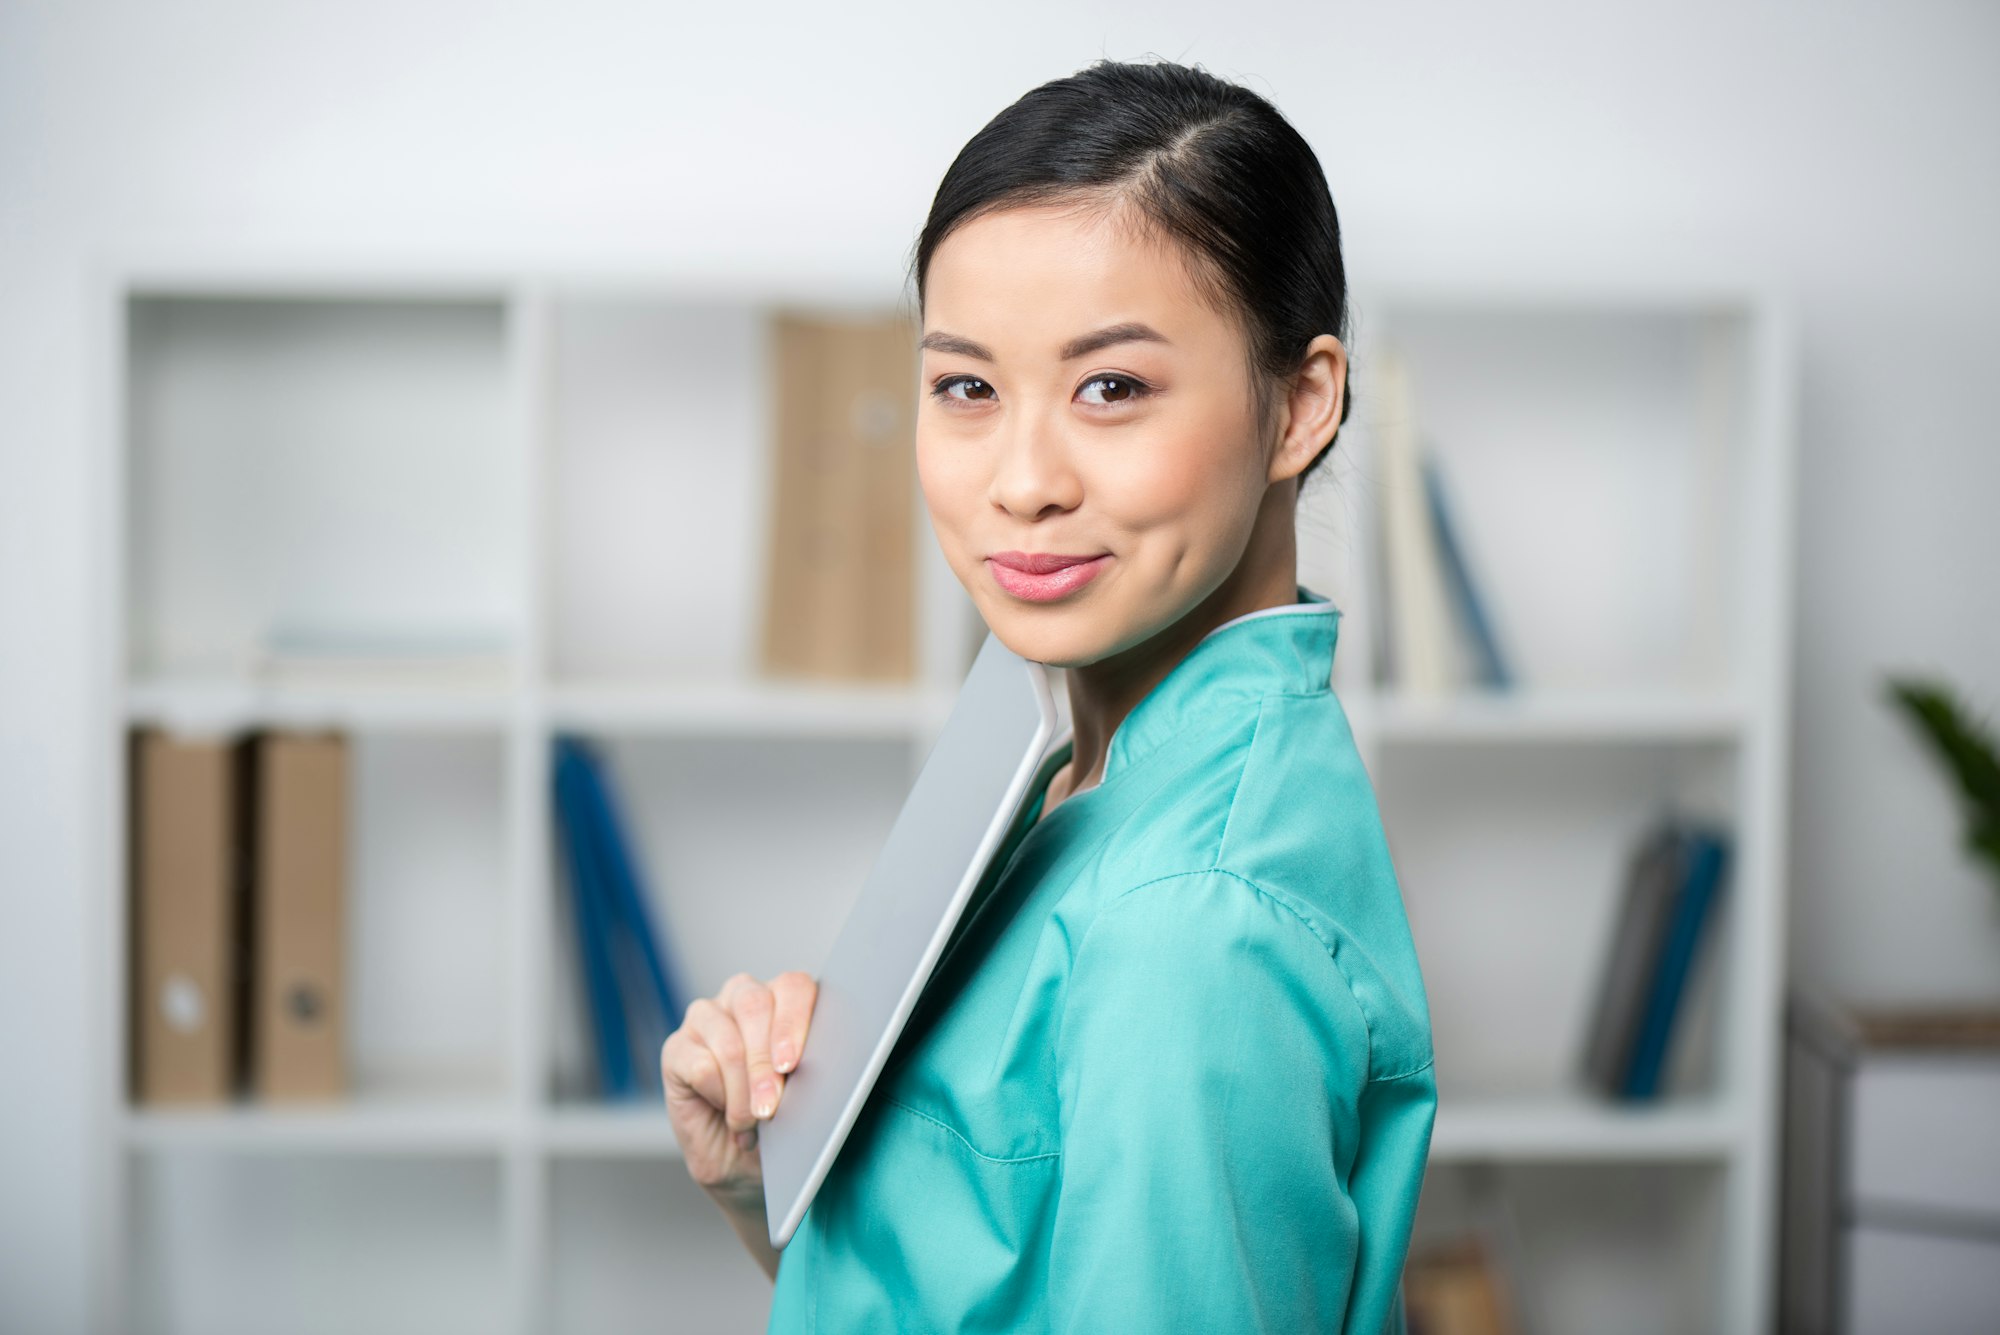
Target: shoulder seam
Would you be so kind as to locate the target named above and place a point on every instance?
(1276, 897)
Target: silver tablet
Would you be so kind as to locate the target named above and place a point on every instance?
(971, 787)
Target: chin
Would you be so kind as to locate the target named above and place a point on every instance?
(1066, 636)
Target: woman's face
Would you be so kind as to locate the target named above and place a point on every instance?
(1079, 399)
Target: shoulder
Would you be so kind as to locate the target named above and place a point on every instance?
(1264, 849)
(1199, 972)
(1211, 952)
(1305, 826)
(1245, 957)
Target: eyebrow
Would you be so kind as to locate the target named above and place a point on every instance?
(1081, 346)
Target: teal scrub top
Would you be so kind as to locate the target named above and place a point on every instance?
(1173, 1070)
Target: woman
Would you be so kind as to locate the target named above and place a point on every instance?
(1173, 1071)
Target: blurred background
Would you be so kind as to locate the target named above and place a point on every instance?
(452, 458)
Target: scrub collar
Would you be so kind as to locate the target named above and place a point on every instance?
(1271, 651)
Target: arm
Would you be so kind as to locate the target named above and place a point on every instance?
(1213, 1069)
(1397, 1112)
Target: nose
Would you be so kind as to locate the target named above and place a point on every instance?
(1033, 473)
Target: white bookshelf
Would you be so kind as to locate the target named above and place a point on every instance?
(577, 464)
(1620, 463)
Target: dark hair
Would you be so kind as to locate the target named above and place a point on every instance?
(1207, 163)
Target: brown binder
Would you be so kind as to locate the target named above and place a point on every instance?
(298, 1020)
(190, 862)
(841, 587)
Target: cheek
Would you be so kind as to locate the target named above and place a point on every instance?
(1199, 476)
(950, 485)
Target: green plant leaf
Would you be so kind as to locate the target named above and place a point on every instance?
(1968, 751)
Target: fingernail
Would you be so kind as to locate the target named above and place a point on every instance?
(767, 1096)
(784, 1054)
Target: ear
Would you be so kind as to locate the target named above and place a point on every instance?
(1310, 414)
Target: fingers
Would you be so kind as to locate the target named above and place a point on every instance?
(752, 1004)
(793, 994)
(733, 1050)
(686, 1065)
(717, 1031)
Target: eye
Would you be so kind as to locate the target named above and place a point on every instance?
(1118, 389)
(943, 388)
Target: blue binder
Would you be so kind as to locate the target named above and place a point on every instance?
(636, 1000)
(586, 880)
(1472, 614)
(1707, 858)
(629, 894)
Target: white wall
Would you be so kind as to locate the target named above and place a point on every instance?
(1845, 153)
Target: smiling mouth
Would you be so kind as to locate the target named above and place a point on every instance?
(1042, 563)
(1043, 577)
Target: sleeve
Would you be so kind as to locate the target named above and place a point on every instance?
(1213, 1072)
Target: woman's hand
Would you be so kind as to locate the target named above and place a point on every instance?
(724, 1071)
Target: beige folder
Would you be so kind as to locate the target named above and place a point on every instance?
(841, 579)
(298, 1025)
(189, 866)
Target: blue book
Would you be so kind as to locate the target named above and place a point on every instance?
(656, 1003)
(1706, 860)
(1472, 615)
(593, 922)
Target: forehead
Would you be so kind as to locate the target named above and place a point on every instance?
(1046, 272)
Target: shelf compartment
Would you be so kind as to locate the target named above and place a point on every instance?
(661, 425)
(1512, 863)
(332, 465)
(423, 926)
(1600, 468)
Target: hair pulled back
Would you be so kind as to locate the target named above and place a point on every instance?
(1207, 163)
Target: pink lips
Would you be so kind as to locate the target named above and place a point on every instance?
(1043, 577)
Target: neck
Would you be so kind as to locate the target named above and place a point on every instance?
(1101, 694)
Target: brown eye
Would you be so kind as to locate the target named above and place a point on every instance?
(1117, 389)
(943, 389)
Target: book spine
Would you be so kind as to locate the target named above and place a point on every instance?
(658, 1002)
(1490, 665)
(614, 1064)
(298, 1025)
(840, 591)
(1652, 881)
(1705, 862)
(189, 812)
(1422, 649)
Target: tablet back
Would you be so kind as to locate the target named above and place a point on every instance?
(971, 787)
